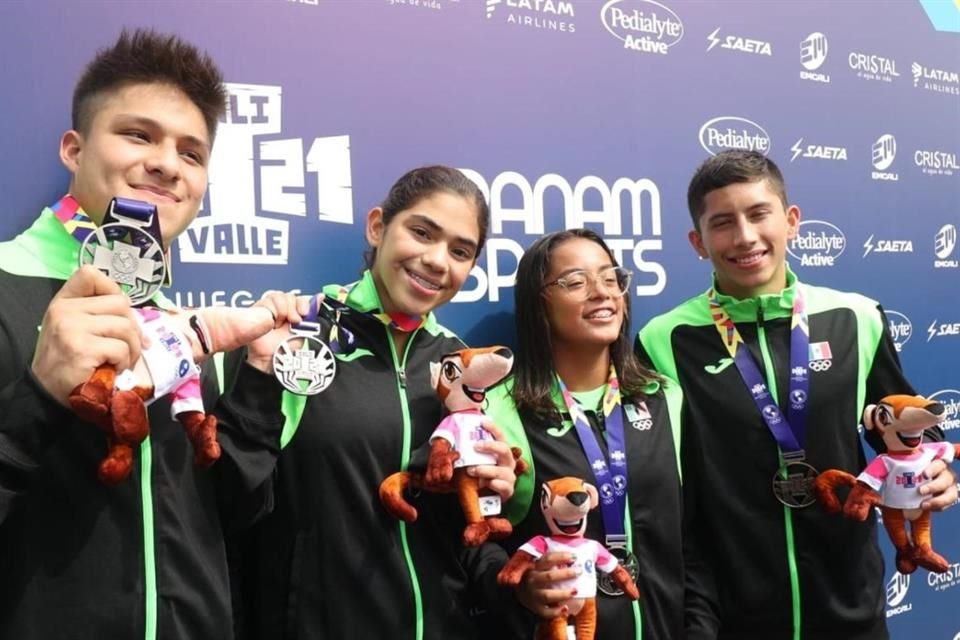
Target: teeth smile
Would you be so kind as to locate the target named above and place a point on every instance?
(426, 284)
(753, 257)
(601, 313)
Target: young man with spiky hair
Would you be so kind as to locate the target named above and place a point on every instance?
(775, 376)
(145, 558)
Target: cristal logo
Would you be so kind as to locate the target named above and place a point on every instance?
(733, 132)
(872, 67)
(900, 328)
(234, 232)
(813, 51)
(950, 399)
(944, 242)
(936, 163)
(817, 244)
(642, 25)
(514, 200)
(896, 591)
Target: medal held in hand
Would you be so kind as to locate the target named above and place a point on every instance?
(127, 249)
(302, 362)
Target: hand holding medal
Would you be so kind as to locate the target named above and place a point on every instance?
(294, 350)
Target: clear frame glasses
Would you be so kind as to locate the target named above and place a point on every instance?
(581, 284)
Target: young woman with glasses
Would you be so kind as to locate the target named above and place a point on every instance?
(580, 404)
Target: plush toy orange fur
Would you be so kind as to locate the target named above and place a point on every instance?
(565, 503)
(892, 480)
(461, 380)
(179, 340)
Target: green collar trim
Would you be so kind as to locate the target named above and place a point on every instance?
(364, 297)
(774, 305)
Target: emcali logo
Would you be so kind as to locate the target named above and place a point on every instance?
(886, 246)
(944, 242)
(817, 244)
(901, 329)
(883, 153)
(737, 43)
(813, 53)
(897, 589)
(817, 151)
(733, 132)
(234, 231)
(642, 25)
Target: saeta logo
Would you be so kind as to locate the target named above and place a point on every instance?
(818, 244)
(939, 329)
(950, 399)
(817, 151)
(642, 25)
(900, 328)
(733, 132)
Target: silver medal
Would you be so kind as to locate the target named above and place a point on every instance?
(127, 255)
(303, 363)
(793, 484)
(629, 561)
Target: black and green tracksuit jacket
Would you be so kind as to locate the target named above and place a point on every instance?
(653, 516)
(144, 559)
(330, 562)
(778, 573)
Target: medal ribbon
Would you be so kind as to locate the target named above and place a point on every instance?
(610, 476)
(789, 432)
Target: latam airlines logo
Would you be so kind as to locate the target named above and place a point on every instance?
(901, 329)
(817, 151)
(733, 132)
(937, 80)
(950, 399)
(817, 244)
(886, 246)
(873, 67)
(897, 589)
(813, 53)
(642, 25)
(936, 163)
(738, 43)
(944, 243)
(250, 178)
(882, 153)
(939, 329)
(552, 15)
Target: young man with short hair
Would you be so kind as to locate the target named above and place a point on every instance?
(775, 376)
(145, 558)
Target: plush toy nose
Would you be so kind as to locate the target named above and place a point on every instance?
(503, 352)
(935, 408)
(577, 498)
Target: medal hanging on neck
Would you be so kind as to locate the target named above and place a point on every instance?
(127, 247)
(793, 480)
(611, 476)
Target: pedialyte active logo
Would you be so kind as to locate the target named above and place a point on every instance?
(818, 244)
(901, 329)
(950, 399)
(733, 132)
(933, 79)
(644, 26)
(870, 66)
(550, 15)
(813, 53)
(874, 245)
(633, 232)
(882, 154)
(739, 43)
(817, 151)
(897, 588)
(936, 162)
(252, 180)
(944, 245)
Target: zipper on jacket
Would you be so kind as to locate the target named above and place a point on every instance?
(771, 376)
(400, 367)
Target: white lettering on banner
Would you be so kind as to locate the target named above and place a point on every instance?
(897, 588)
(737, 43)
(950, 399)
(947, 579)
(936, 163)
(234, 232)
(642, 25)
(817, 151)
(886, 246)
(944, 242)
(239, 298)
(503, 254)
(935, 79)
(901, 328)
(873, 67)
(733, 132)
(942, 329)
(817, 243)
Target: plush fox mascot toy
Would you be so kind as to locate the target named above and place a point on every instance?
(893, 478)
(565, 503)
(178, 341)
(461, 380)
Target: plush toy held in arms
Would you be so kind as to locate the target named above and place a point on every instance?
(893, 479)
(461, 380)
(565, 503)
(178, 341)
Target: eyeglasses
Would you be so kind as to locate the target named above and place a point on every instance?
(581, 284)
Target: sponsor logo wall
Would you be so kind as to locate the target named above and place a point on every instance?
(566, 113)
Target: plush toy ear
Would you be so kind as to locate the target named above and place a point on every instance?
(434, 375)
(546, 497)
(871, 416)
(592, 492)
